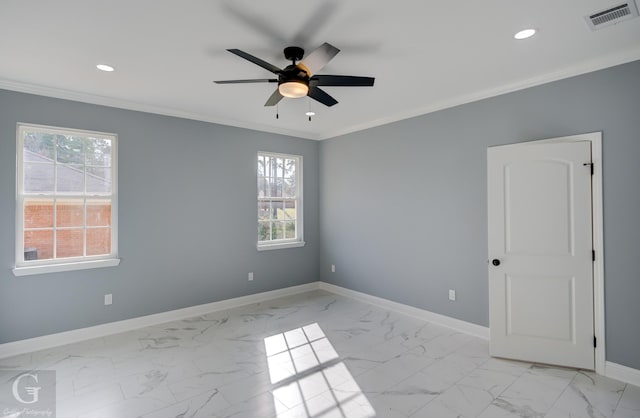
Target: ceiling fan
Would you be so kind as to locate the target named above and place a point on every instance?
(299, 80)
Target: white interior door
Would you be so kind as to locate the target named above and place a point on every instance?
(540, 253)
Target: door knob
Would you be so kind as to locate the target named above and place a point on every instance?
(495, 262)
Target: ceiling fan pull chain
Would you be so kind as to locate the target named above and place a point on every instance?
(309, 111)
(277, 111)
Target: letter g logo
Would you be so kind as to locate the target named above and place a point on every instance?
(30, 390)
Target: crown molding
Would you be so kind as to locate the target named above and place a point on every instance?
(146, 108)
(583, 67)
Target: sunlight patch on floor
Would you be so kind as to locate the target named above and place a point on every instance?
(309, 378)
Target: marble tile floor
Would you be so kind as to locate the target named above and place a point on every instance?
(312, 355)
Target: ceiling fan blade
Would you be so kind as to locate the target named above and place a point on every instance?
(274, 98)
(318, 19)
(322, 96)
(256, 60)
(254, 80)
(341, 80)
(318, 58)
(256, 22)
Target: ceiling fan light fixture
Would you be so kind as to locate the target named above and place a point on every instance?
(293, 89)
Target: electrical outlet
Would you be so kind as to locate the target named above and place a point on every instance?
(108, 299)
(251, 276)
(333, 268)
(452, 294)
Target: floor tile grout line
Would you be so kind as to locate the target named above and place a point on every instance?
(626, 385)
(568, 387)
(505, 389)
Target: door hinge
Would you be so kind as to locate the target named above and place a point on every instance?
(590, 165)
(593, 255)
(595, 342)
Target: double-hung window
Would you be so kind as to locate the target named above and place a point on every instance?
(66, 214)
(279, 201)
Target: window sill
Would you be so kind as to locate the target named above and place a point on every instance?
(280, 246)
(55, 268)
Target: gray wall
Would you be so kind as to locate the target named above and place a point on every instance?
(187, 220)
(403, 206)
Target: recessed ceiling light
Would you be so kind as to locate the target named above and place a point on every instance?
(524, 34)
(310, 113)
(105, 67)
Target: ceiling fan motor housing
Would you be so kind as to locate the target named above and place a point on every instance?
(293, 53)
(293, 73)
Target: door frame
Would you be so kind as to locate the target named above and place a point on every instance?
(598, 238)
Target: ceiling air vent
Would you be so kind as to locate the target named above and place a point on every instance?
(612, 15)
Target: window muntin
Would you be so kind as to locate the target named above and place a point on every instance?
(279, 199)
(66, 196)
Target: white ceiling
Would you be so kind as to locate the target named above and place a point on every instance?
(426, 55)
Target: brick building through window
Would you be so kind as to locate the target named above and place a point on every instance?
(66, 195)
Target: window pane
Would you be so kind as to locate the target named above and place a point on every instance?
(70, 178)
(261, 166)
(70, 150)
(38, 213)
(98, 241)
(69, 213)
(264, 211)
(98, 213)
(271, 166)
(38, 177)
(289, 168)
(277, 210)
(69, 242)
(38, 147)
(38, 245)
(289, 188)
(290, 230)
(276, 187)
(279, 167)
(278, 230)
(290, 209)
(264, 233)
(263, 187)
(98, 151)
(98, 179)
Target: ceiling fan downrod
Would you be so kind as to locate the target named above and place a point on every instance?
(293, 53)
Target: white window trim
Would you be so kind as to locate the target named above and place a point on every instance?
(291, 242)
(280, 245)
(56, 268)
(26, 268)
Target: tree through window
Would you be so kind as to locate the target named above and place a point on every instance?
(279, 199)
(66, 196)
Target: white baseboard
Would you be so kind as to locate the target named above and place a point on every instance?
(612, 370)
(622, 373)
(68, 337)
(445, 321)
